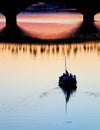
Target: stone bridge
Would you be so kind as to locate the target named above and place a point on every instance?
(10, 8)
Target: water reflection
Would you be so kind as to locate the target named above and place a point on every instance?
(47, 49)
(50, 31)
(76, 32)
(63, 26)
(67, 94)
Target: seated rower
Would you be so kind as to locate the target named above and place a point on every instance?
(67, 74)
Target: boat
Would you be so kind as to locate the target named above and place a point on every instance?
(67, 80)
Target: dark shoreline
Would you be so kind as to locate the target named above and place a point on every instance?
(29, 40)
(24, 38)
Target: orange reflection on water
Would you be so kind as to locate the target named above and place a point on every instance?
(33, 59)
(53, 49)
(50, 31)
(50, 26)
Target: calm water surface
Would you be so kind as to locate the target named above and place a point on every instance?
(30, 97)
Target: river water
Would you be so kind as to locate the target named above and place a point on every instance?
(30, 97)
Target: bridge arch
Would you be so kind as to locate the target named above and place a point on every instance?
(88, 8)
(11, 8)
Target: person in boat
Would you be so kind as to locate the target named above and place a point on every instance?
(71, 75)
(65, 75)
(74, 77)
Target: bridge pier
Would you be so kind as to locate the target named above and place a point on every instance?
(88, 18)
(11, 21)
(88, 26)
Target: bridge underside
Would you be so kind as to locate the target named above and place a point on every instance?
(86, 7)
(11, 8)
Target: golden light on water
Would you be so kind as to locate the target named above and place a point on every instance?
(53, 49)
(43, 57)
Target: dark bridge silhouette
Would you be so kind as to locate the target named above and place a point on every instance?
(86, 7)
(11, 8)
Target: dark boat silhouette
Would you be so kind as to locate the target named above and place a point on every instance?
(67, 80)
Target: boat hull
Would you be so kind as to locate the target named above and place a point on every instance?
(69, 86)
